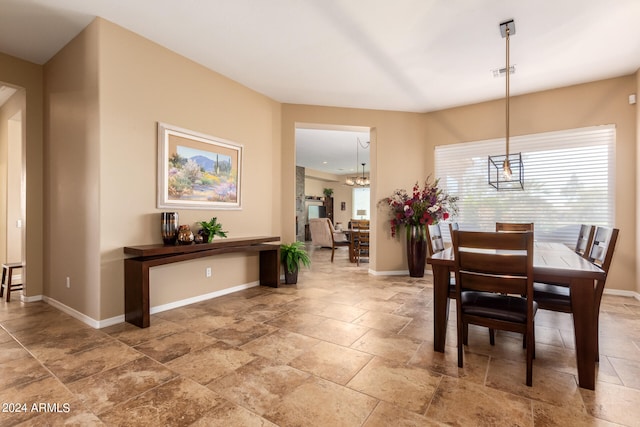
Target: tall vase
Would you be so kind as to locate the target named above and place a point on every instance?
(169, 223)
(416, 249)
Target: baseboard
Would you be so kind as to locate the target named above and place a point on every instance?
(32, 298)
(389, 273)
(99, 324)
(72, 312)
(203, 297)
(621, 293)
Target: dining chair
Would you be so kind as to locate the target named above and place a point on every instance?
(585, 239)
(360, 239)
(555, 297)
(512, 226)
(453, 226)
(323, 234)
(492, 271)
(435, 243)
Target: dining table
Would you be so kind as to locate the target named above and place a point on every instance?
(552, 263)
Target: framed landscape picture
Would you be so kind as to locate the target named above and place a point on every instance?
(197, 171)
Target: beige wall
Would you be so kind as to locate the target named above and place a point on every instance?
(597, 103)
(28, 76)
(106, 91)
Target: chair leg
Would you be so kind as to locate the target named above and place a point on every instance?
(8, 285)
(4, 276)
(461, 328)
(492, 337)
(333, 249)
(530, 353)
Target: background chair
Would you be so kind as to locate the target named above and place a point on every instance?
(7, 277)
(585, 239)
(435, 243)
(492, 270)
(554, 297)
(360, 239)
(323, 234)
(512, 226)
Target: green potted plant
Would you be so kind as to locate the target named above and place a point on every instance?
(328, 192)
(212, 228)
(292, 255)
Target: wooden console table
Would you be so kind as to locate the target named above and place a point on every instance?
(136, 269)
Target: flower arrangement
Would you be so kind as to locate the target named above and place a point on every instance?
(425, 206)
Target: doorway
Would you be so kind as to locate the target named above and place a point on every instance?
(326, 157)
(13, 173)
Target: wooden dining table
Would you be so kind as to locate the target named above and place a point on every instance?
(552, 263)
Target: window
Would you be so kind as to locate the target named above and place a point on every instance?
(361, 203)
(568, 178)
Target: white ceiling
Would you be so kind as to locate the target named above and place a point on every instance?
(406, 55)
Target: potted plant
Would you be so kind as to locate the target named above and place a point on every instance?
(211, 228)
(292, 255)
(328, 192)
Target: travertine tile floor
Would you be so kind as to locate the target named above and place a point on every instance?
(342, 348)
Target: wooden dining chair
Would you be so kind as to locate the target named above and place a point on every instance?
(492, 271)
(554, 297)
(585, 239)
(512, 226)
(360, 239)
(435, 243)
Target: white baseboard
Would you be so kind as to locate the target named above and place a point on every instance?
(389, 273)
(621, 293)
(99, 324)
(204, 297)
(72, 312)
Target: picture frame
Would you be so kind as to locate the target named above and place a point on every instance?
(197, 171)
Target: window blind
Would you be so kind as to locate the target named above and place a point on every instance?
(568, 181)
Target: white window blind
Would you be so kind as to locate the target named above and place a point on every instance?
(568, 181)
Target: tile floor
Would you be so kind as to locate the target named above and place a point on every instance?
(342, 348)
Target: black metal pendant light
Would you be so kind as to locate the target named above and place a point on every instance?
(506, 171)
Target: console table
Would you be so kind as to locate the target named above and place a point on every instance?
(136, 269)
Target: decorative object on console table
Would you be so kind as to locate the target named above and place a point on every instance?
(169, 223)
(211, 229)
(185, 236)
(293, 255)
(423, 207)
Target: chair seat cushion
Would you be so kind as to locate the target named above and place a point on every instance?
(496, 306)
(552, 295)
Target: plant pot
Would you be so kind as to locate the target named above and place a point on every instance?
(416, 249)
(290, 277)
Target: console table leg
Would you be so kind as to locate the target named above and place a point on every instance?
(270, 267)
(136, 293)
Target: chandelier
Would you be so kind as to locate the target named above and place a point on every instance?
(506, 171)
(361, 180)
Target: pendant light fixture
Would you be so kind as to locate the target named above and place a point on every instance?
(362, 181)
(506, 172)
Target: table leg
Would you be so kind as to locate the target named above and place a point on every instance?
(440, 306)
(582, 306)
(136, 293)
(270, 267)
